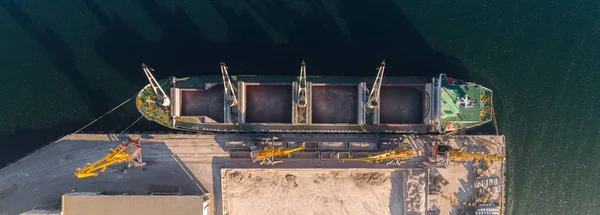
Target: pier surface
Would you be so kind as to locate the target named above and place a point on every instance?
(219, 168)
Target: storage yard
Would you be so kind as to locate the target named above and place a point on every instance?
(219, 171)
(322, 191)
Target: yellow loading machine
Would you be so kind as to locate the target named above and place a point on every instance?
(444, 154)
(130, 152)
(266, 154)
(391, 157)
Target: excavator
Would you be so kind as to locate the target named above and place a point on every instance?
(392, 157)
(129, 152)
(450, 154)
(266, 154)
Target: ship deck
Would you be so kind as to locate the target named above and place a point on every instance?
(195, 164)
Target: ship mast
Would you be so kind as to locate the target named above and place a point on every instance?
(302, 85)
(229, 92)
(374, 95)
(160, 93)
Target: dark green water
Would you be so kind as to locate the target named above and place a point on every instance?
(63, 64)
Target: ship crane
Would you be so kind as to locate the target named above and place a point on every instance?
(160, 93)
(302, 86)
(374, 95)
(130, 153)
(267, 154)
(391, 157)
(229, 92)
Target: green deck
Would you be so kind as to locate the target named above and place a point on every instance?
(147, 106)
(455, 112)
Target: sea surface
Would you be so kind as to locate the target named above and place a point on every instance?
(64, 63)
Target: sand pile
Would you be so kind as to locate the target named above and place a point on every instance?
(308, 191)
(371, 178)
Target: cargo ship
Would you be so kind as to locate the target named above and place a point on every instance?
(315, 104)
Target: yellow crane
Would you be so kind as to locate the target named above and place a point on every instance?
(460, 155)
(484, 197)
(266, 154)
(130, 152)
(450, 154)
(393, 157)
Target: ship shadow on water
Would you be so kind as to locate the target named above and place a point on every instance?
(347, 38)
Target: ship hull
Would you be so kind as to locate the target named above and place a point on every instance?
(270, 104)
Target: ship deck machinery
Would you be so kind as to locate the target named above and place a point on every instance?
(311, 104)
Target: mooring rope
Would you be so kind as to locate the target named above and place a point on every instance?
(494, 114)
(95, 120)
(130, 125)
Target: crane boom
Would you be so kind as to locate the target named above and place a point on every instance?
(130, 153)
(160, 93)
(267, 153)
(449, 154)
(374, 95)
(460, 155)
(302, 85)
(229, 91)
(392, 156)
